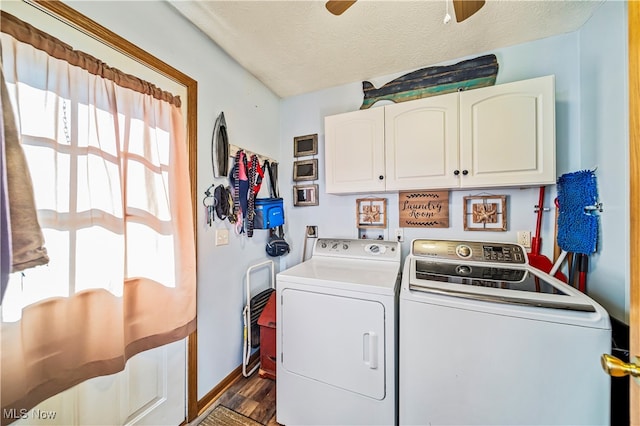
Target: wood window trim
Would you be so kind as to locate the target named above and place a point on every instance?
(86, 25)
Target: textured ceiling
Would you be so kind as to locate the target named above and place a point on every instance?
(297, 46)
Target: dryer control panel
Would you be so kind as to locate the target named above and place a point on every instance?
(357, 249)
(476, 251)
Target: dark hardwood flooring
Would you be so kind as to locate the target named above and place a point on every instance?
(253, 397)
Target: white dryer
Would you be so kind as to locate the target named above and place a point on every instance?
(336, 335)
(487, 339)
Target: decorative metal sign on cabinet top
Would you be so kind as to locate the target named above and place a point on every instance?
(424, 209)
(469, 74)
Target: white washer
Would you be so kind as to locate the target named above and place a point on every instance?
(487, 339)
(336, 338)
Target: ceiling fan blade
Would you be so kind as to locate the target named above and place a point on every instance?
(465, 8)
(337, 7)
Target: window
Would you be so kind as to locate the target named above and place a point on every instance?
(110, 173)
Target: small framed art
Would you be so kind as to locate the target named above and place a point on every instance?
(305, 145)
(485, 213)
(305, 195)
(371, 212)
(305, 170)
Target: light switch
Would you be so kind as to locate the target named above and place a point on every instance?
(222, 237)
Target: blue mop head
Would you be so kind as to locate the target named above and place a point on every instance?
(577, 226)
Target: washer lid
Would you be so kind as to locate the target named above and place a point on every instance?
(348, 274)
(495, 283)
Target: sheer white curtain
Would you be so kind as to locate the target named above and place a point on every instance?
(109, 166)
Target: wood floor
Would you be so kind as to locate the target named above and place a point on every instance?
(253, 397)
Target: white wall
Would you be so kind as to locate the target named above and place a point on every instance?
(252, 116)
(604, 136)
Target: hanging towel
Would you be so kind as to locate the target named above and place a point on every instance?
(27, 241)
(5, 224)
(577, 222)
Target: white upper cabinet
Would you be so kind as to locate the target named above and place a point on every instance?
(496, 136)
(354, 151)
(421, 143)
(507, 134)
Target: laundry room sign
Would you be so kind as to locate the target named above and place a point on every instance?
(424, 209)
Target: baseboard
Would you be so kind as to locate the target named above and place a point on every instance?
(220, 388)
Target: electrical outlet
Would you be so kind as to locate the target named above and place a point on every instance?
(399, 234)
(222, 237)
(524, 238)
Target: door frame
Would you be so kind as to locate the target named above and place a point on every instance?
(82, 23)
(633, 11)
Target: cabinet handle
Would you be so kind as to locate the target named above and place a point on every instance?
(381, 177)
(465, 172)
(456, 172)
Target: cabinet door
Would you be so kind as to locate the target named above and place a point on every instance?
(507, 134)
(421, 140)
(354, 151)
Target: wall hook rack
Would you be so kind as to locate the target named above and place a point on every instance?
(596, 207)
(233, 149)
(536, 208)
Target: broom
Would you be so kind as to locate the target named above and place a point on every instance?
(536, 259)
(577, 223)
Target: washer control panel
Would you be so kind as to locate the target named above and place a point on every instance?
(358, 249)
(477, 251)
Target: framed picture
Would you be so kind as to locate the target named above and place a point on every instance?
(371, 212)
(305, 170)
(305, 195)
(485, 213)
(305, 145)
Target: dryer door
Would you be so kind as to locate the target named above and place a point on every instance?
(335, 340)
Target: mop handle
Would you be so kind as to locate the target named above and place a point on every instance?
(536, 240)
(556, 265)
